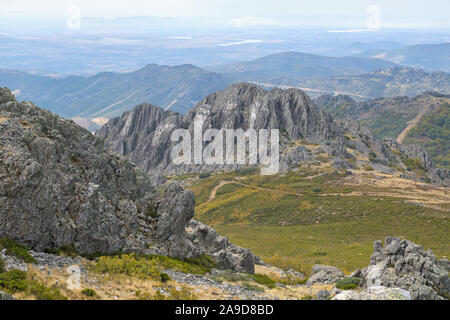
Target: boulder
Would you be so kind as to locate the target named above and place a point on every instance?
(325, 274)
(374, 293)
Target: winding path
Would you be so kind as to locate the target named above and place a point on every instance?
(410, 124)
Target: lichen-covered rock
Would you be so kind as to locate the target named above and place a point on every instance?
(406, 265)
(374, 293)
(324, 274)
(60, 186)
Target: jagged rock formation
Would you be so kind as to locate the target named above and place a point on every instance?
(59, 186)
(144, 134)
(406, 265)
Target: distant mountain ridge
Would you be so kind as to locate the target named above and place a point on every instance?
(108, 94)
(390, 82)
(434, 57)
(295, 65)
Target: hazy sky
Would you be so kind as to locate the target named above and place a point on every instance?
(342, 13)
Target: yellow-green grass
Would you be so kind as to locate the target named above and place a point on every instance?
(346, 245)
(293, 221)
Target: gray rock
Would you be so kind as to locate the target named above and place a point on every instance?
(405, 265)
(324, 274)
(5, 296)
(60, 186)
(144, 134)
(374, 293)
(322, 295)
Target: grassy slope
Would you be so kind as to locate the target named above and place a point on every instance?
(433, 133)
(308, 219)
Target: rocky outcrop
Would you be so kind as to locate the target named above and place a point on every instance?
(325, 274)
(144, 134)
(406, 265)
(59, 186)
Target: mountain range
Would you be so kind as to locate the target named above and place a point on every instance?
(295, 65)
(91, 101)
(108, 94)
(433, 57)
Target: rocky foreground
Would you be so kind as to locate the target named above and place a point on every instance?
(59, 186)
(399, 270)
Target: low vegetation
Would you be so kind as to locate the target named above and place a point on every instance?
(316, 216)
(433, 134)
(17, 281)
(151, 266)
(88, 292)
(15, 249)
(264, 280)
(348, 283)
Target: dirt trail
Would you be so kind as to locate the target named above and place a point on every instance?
(410, 124)
(213, 193)
(422, 199)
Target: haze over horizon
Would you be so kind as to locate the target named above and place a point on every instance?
(244, 14)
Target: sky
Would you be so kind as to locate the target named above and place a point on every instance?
(247, 13)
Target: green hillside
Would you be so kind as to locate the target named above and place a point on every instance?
(433, 133)
(320, 215)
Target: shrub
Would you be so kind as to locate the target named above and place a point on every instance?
(67, 251)
(204, 261)
(151, 266)
(264, 280)
(88, 292)
(14, 281)
(42, 292)
(251, 287)
(307, 297)
(2, 265)
(15, 249)
(127, 264)
(291, 281)
(204, 175)
(151, 211)
(165, 277)
(348, 283)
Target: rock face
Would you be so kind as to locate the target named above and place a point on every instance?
(403, 264)
(144, 134)
(325, 274)
(59, 186)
